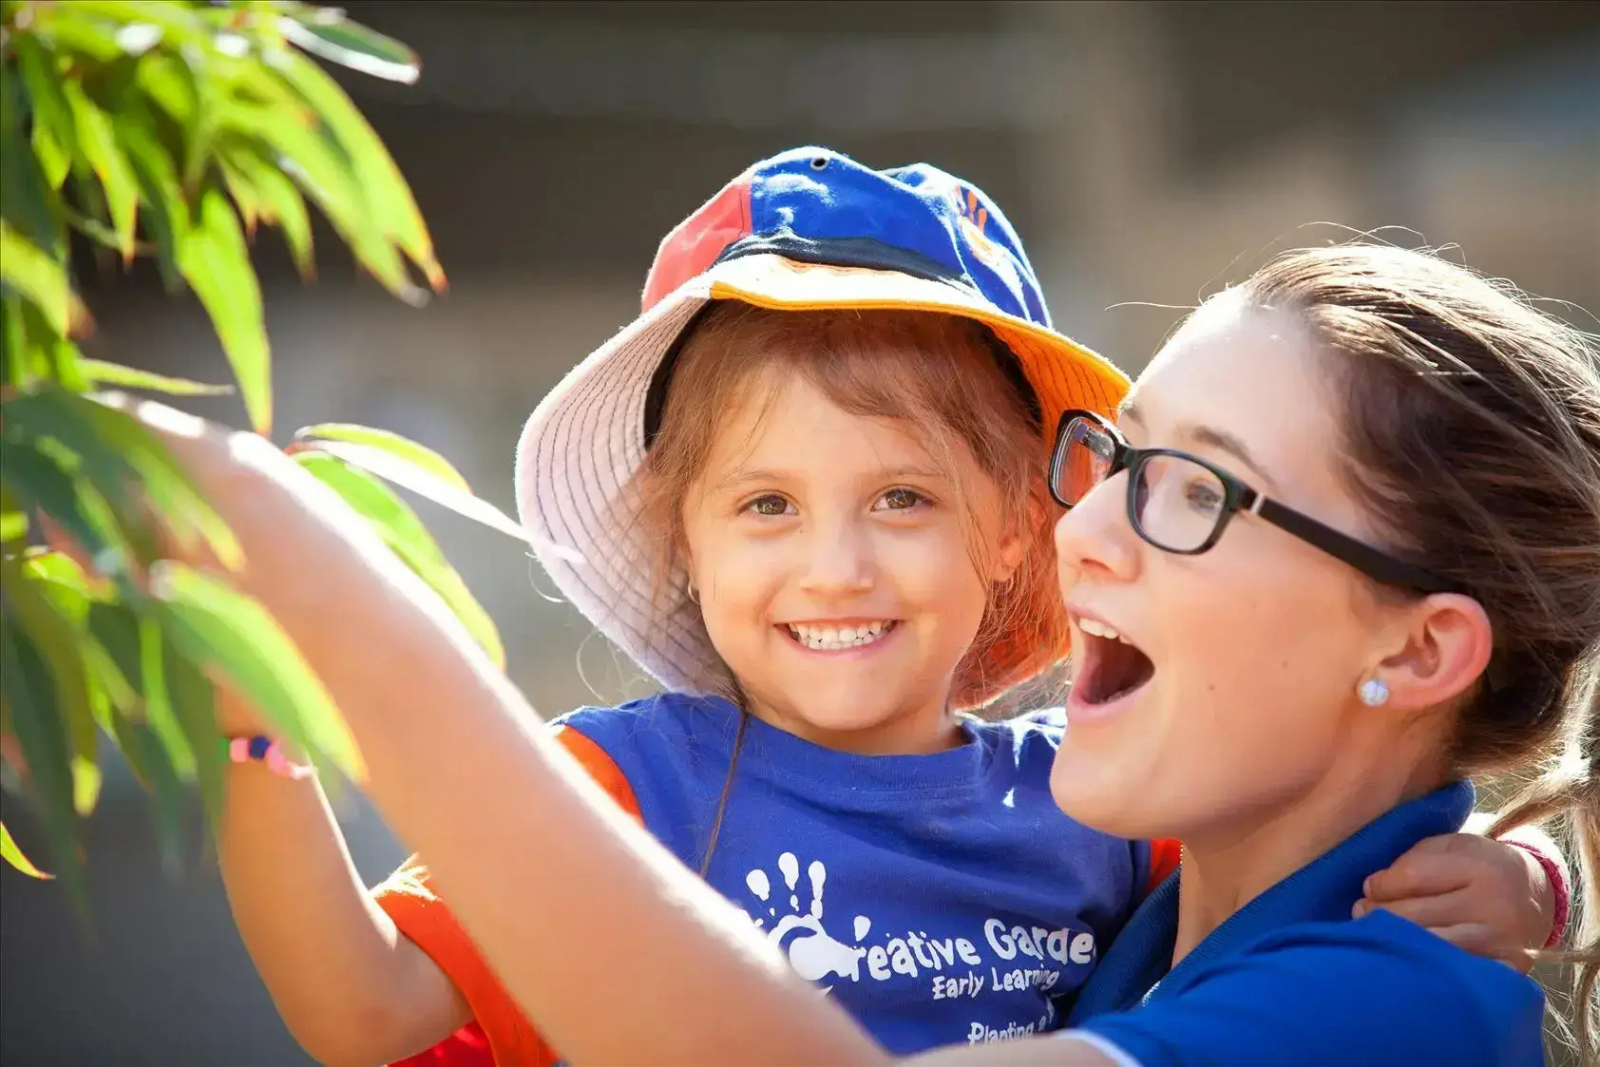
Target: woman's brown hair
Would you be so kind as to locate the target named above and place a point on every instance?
(1472, 435)
(946, 378)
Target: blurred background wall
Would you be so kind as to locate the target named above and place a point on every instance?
(1148, 153)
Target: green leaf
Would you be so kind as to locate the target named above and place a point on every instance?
(320, 170)
(13, 526)
(13, 855)
(177, 24)
(52, 116)
(194, 704)
(148, 760)
(273, 195)
(408, 476)
(115, 451)
(97, 139)
(169, 82)
(159, 712)
(215, 262)
(41, 482)
(28, 269)
(228, 632)
(115, 628)
(406, 535)
(377, 176)
(102, 373)
(166, 210)
(325, 32)
(26, 200)
(401, 448)
(36, 719)
(44, 608)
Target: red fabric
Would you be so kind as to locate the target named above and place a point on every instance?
(696, 242)
(1164, 857)
(499, 1035)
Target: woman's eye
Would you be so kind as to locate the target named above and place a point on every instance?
(770, 505)
(901, 499)
(1203, 496)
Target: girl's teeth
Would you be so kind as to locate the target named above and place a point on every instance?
(828, 638)
(1100, 629)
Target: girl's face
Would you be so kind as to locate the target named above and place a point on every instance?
(833, 562)
(1244, 700)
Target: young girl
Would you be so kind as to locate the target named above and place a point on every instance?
(803, 490)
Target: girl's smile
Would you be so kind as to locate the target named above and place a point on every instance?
(840, 637)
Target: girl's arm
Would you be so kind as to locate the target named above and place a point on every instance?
(349, 986)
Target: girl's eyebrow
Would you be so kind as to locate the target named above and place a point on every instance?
(744, 476)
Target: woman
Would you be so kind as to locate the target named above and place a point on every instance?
(1347, 554)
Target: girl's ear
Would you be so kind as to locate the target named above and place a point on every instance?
(1008, 559)
(1014, 542)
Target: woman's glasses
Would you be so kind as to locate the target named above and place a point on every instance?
(1181, 503)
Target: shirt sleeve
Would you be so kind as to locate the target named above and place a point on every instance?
(1164, 856)
(499, 1033)
(1380, 992)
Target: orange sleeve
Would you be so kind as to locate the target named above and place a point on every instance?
(1164, 856)
(408, 897)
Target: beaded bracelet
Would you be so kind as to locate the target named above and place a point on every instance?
(1558, 887)
(269, 753)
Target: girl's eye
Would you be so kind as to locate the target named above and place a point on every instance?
(769, 505)
(901, 499)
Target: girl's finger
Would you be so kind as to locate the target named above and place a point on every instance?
(1420, 874)
(1441, 911)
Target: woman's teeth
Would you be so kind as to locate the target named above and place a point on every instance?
(833, 638)
(1100, 629)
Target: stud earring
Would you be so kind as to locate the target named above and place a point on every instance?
(1373, 692)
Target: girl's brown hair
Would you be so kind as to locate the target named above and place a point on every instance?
(948, 379)
(1472, 435)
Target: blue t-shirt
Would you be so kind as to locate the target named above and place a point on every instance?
(1292, 979)
(941, 899)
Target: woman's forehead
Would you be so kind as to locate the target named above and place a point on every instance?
(1250, 373)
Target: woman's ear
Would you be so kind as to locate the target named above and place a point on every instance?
(1447, 648)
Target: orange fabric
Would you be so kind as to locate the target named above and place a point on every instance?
(500, 1034)
(1164, 857)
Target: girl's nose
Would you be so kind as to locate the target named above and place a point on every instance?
(840, 560)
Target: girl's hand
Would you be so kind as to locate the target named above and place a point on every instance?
(1491, 899)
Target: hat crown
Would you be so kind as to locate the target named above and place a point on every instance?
(815, 205)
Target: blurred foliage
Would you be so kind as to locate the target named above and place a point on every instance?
(174, 130)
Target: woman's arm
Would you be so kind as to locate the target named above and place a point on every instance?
(570, 900)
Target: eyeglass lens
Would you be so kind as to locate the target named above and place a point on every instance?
(1177, 502)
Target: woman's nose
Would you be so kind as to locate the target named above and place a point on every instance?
(1095, 536)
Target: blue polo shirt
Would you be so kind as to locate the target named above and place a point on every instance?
(941, 899)
(1291, 979)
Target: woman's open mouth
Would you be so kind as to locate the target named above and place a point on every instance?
(839, 637)
(1109, 668)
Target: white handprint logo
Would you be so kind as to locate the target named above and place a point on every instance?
(815, 953)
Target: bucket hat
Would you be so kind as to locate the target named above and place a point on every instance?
(805, 230)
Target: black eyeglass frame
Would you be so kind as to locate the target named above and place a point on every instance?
(1238, 497)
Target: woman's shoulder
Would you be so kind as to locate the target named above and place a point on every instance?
(1378, 990)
